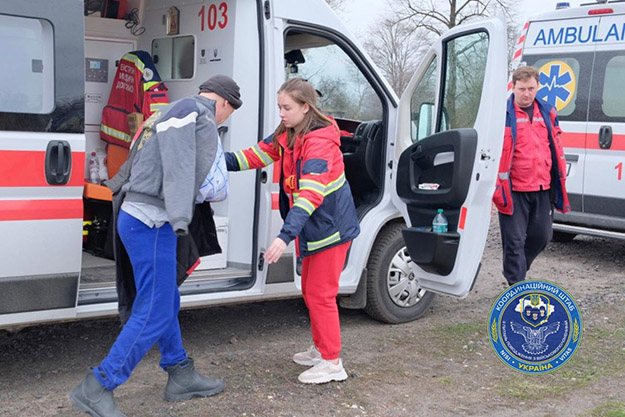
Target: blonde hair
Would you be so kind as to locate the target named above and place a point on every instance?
(302, 92)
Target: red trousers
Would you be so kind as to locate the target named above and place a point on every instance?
(320, 286)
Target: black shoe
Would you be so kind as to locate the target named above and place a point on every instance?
(185, 383)
(92, 398)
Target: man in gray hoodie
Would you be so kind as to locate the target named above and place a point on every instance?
(174, 153)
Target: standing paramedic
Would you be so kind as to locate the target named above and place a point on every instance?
(175, 151)
(321, 215)
(532, 175)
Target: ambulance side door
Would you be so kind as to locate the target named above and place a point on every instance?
(42, 158)
(450, 133)
(604, 179)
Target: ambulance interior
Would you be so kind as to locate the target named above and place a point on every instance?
(185, 60)
(347, 95)
(177, 61)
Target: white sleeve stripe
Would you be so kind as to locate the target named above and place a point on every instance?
(176, 123)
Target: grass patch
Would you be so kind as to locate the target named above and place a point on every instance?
(527, 388)
(444, 381)
(600, 354)
(611, 409)
(457, 338)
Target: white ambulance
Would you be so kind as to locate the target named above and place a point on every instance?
(55, 74)
(580, 53)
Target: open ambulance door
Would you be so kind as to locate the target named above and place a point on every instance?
(449, 137)
(42, 159)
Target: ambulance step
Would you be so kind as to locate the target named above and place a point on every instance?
(580, 230)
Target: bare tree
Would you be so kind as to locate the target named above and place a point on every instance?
(395, 48)
(336, 5)
(438, 16)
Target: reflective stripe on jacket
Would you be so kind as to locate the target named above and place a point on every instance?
(322, 212)
(137, 88)
(503, 189)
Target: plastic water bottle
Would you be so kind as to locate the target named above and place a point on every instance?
(439, 224)
(94, 169)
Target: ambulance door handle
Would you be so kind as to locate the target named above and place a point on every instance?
(58, 162)
(605, 137)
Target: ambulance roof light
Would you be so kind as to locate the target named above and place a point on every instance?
(563, 5)
(600, 11)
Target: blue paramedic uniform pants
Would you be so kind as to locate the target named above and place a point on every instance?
(154, 317)
(525, 233)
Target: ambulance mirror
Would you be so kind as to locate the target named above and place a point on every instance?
(422, 121)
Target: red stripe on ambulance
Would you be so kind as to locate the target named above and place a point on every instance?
(573, 140)
(27, 169)
(591, 141)
(11, 210)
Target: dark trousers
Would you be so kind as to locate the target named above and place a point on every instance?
(525, 233)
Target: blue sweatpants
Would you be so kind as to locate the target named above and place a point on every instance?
(154, 317)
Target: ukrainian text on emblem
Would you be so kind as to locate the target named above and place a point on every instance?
(535, 327)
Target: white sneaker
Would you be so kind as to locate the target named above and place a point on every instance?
(311, 357)
(324, 371)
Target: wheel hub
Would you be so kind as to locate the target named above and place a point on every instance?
(401, 282)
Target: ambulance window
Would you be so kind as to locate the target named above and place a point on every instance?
(422, 114)
(613, 99)
(174, 58)
(465, 64)
(559, 79)
(27, 65)
(345, 92)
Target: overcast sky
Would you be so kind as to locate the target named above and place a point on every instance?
(358, 15)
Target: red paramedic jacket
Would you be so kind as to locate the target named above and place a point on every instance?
(504, 187)
(137, 88)
(322, 212)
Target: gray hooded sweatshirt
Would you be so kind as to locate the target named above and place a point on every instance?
(173, 155)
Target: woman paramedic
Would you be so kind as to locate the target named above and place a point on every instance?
(321, 216)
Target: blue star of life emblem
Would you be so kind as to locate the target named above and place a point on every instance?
(557, 84)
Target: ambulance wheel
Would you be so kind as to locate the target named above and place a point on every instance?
(393, 294)
(563, 237)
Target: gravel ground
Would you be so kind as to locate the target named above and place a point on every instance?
(439, 365)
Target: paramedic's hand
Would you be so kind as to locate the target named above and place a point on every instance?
(275, 251)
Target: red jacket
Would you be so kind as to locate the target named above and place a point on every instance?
(531, 159)
(322, 212)
(137, 88)
(507, 171)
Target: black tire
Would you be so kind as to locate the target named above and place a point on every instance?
(563, 237)
(380, 304)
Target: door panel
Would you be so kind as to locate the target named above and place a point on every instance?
(604, 184)
(42, 154)
(455, 167)
(421, 165)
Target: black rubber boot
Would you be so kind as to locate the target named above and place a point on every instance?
(185, 383)
(92, 398)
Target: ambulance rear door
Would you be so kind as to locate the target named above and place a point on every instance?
(42, 158)
(449, 137)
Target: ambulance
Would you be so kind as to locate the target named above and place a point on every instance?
(436, 147)
(580, 53)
